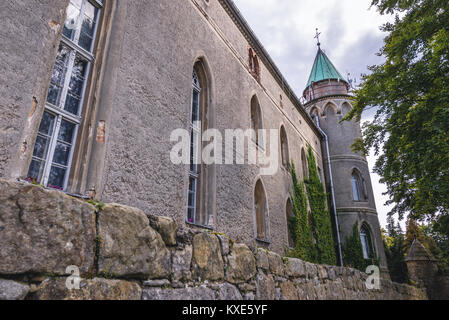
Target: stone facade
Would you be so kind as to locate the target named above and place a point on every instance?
(138, 264)
(139, 90)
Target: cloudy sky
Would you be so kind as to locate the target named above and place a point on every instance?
(350, 36)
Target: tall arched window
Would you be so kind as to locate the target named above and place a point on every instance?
(358, 186)
(256, 120)
(56, 139)
(260, 211)
(291, 223)
(305, 170)
(284, 148)
(367, 245)
(199, 202)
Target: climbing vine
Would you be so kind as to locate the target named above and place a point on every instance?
(320, 215)
(298, 224)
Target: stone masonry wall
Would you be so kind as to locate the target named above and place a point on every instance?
(122, 253)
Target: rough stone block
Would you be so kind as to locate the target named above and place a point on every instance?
(265, 287)
(294, 268)
(207, 260)
(12, 290)
(288, 291)
(241, 264)
(227, 291)
(129, 247)
(44, 231)
(181, 264)
(276, 264)
(199, 293)
(167, 229)
(96, 289)
(262, 259)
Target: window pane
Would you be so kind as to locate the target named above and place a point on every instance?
(36, 171)
(72, 104)
(71, 22)
(58, 76)
(62, 153)
(41, 147)
(47, 124)
(56, 179)
(88, 27)
(73, 98)
(355, 189)
(195, 106)
(66, 132)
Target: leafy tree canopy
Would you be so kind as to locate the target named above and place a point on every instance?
(410, 131)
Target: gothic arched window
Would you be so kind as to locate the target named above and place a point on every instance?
(199, 202)
(256, 120)
(367, 245)
(260, 211)
(284, 149)
(358, 186)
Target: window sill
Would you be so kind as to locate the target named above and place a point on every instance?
(74, 195)
(263, 241)
(192, 224)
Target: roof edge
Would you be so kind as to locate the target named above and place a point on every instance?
(255, 43)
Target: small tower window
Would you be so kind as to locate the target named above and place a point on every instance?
(365, 238)
(358, 186)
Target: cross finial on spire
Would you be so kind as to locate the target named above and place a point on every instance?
(317, 37)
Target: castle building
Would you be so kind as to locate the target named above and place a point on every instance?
(92, 90)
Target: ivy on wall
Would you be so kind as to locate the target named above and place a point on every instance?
(320, 215)
(310, 194)
(298, 224)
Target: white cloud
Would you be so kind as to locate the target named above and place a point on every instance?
(350, 36)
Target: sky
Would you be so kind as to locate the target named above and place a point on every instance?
(350, 36)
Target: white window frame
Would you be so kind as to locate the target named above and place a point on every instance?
(195, 128)
(58, 111)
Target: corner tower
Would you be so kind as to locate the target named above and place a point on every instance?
(328, 100)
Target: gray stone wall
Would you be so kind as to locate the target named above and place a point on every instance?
(126, 254)
(140, 91)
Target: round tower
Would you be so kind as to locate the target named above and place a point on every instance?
(348, 177)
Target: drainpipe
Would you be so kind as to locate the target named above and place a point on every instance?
(334, 207)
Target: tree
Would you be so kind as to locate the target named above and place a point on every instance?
(395, 252)
(411, 93)
(353, 252)
(320, 215)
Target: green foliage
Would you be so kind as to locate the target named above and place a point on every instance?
(353, 252)
(320, 215)
(411, 93)
(299, 228)
(395, 252)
